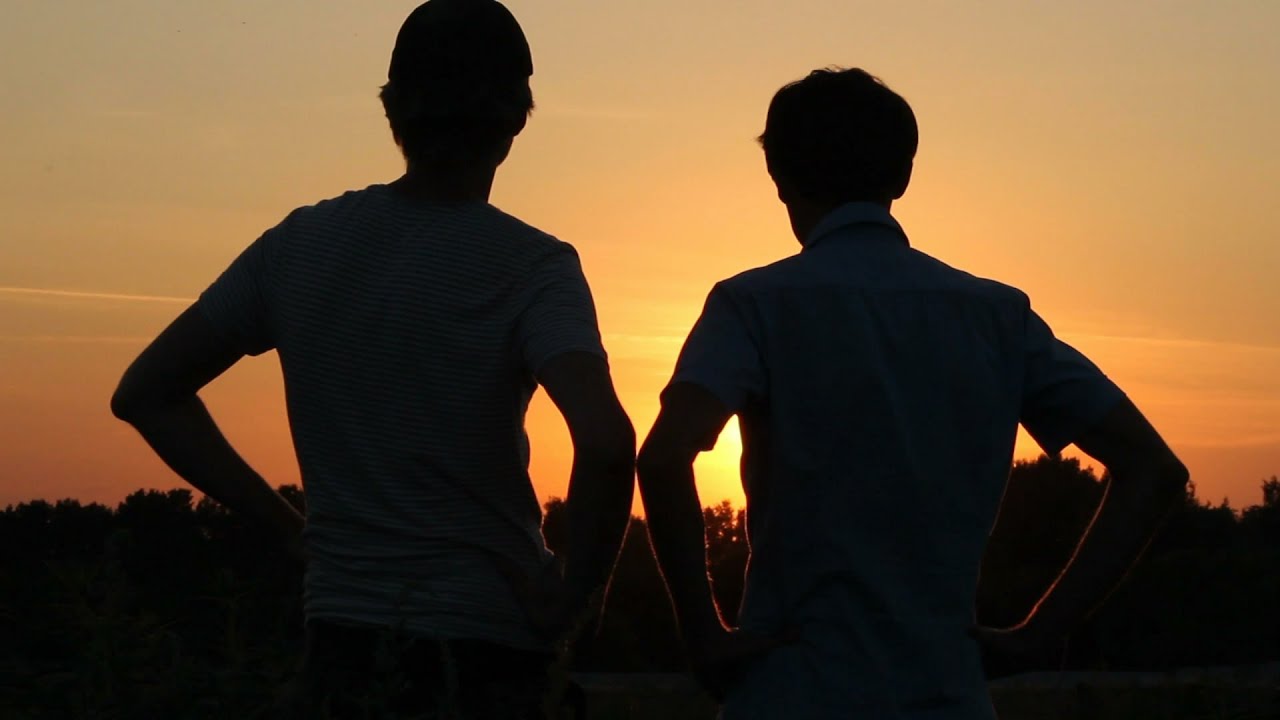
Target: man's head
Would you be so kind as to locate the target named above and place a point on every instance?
(457, 91)
(839, 136)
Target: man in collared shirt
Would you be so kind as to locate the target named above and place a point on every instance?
(879, 393)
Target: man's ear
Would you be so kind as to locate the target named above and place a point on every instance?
(518, 126)
(502, 151)
(900, 188)
(786, 192)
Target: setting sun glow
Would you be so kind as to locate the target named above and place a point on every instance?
(1118, 162)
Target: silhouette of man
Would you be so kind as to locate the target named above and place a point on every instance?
(879, 392)
(413, 322)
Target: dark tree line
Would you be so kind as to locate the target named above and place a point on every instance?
(179, 608)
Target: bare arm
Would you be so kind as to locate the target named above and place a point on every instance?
(690, 420)
(158, 397)
(1147, 483)
(602, 481)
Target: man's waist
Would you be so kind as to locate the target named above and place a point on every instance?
(345, 540)
(404, 589)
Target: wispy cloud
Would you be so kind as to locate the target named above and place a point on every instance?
(589, 112)
(1239, 441)
(76, 339)
(125, 113)
(1173, 342)
(86, 295)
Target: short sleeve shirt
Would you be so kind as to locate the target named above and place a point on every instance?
(410, 337)
(879, 393)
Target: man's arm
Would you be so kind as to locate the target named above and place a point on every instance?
(602, 481)
(719, 372)
(157, 396)
(1147, 483)
(690, 421)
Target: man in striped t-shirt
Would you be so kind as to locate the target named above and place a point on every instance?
(413, 323)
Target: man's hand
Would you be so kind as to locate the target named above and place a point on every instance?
(296, 549)
(1019, 649)
(721, 656)
(554, 610)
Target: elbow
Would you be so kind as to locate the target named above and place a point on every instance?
(1173, 477)
(125, 405)
(1159, 483)
(648, 463)
(1167, 473)
(131, 404)
(611, 448)
(658, 461)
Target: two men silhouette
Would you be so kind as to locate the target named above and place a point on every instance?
(878, 390)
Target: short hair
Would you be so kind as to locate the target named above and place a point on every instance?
(458, 84)
(840, 135)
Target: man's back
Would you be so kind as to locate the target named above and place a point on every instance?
(413, 321)
(409, 334)
(879, 393)
(878, 425)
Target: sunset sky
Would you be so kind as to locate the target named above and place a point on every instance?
(1117, 161)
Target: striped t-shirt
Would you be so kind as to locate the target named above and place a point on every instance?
(409, 335)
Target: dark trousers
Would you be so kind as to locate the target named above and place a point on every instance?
(351, 672)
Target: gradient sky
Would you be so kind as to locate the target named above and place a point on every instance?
(1117, 161)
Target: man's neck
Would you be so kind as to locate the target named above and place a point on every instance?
(454, 188)
(806, 215)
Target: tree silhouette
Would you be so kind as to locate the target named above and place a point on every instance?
(1047, 505)
(165, 607)
(727, 553)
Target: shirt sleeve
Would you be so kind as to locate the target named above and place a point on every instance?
(1064, 394)
(238, 303)
(559, 316)
(722, 354)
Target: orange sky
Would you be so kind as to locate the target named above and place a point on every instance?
(1119, 163)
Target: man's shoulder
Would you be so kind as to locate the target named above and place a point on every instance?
(513, 236)
(523, 236)
(935, 272)
(921, 273)
(329, 209)
(762, 277)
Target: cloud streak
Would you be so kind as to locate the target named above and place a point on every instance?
(1173, 342)
(86, 295)
(590, 112)
(125, 113)
(76, 339)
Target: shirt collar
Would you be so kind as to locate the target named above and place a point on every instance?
(850, 214)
